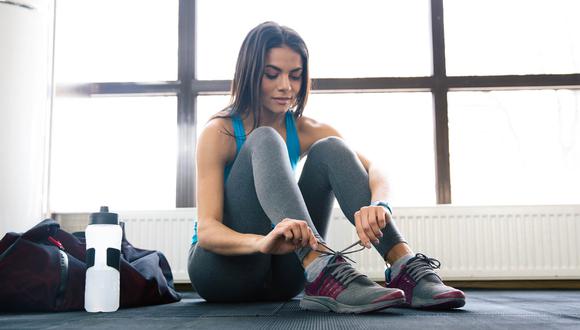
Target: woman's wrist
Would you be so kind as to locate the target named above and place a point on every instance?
(257, 241)
(384, 204)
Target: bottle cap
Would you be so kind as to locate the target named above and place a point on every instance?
(103, 217)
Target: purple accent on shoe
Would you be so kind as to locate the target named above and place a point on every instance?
(450, 294)
(335, 289)
(330, 287)
(404, 282)
(324, 286)
(390, 296)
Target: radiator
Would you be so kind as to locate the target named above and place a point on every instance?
(472, 243)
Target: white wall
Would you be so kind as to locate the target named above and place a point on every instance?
(25, 93)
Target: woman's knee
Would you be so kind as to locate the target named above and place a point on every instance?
(266, 141)
(331, 147)
(264, 134)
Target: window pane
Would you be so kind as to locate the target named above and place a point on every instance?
(367, 38)
(498, 37)
(393, 129)
(515, 147)
(112, 40)
(119, 152)
(207, 106)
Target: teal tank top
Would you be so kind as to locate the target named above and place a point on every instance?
(292, 143)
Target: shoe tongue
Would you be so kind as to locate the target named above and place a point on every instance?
(423, 271)
(396, 267)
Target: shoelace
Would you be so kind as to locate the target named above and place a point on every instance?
(420, 266)
(343, 271)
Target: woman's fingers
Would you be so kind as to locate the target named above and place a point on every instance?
(298, 233)
(288, 235)
(313, 241)
(360, 231)
(370, 225)
(305, 234)
(375, 214)
(368, 222)
(382, 217)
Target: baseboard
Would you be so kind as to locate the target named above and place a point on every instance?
(496, 285)
(517, 284)
(183, 287)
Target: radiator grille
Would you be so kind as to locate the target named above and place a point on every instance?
(472, 243)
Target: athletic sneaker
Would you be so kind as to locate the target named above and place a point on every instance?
(422, 286)
(341, 289)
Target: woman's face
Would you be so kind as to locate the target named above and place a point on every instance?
(282, 79)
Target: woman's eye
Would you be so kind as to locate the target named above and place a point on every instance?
(271, 76)
(297, 77)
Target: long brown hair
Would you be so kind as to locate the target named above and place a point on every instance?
(247, 83)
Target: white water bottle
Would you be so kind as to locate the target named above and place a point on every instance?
(103, 238)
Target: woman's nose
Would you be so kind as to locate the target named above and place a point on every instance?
(284, 83)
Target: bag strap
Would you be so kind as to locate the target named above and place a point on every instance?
(61, 291)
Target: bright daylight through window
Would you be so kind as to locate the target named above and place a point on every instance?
(444, 129)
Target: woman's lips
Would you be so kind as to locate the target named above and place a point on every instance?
(282, 100)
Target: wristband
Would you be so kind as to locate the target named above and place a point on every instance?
(383, 204)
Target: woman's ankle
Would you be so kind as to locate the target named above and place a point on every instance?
(398, 251)
(310, 257)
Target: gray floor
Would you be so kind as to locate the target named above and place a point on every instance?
(486, 309)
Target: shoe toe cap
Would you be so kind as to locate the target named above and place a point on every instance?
(393, 295)
(458, 294)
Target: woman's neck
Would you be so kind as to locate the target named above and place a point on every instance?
(274, 120)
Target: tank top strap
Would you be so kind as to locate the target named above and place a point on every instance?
(292, 140)
(239, 132)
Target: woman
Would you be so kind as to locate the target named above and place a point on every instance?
(260, 235)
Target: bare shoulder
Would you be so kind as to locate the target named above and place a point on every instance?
(314, 129)
(311, 130)
(216, 140)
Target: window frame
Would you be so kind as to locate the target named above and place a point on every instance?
(188, 87)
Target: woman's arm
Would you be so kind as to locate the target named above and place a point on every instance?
(212, 154)
(377, 180)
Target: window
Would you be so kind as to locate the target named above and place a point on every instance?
(512, 37)
(463, 94)
(370, 38)
(515, 147)
(115, 151)
(116, 40)
(399, 138)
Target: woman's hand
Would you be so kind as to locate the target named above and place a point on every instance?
(286, 237)
(369, 221)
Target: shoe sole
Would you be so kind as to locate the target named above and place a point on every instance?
(326, 304)
(443, 304)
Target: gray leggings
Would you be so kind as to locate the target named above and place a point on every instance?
(261, 191)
